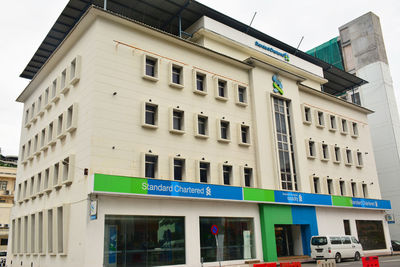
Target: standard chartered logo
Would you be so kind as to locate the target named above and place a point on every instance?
(179, 189)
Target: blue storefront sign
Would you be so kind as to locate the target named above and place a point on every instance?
(182, 189)
(371, 203)
(272, 50)
(302, 198)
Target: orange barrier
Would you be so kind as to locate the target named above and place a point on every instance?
(266, 264)
(290, 264)
(370, 261)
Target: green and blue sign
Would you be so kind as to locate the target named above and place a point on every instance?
(143, 186)
(272, 50)
(277, 84)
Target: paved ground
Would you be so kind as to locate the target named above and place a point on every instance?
(384, 261)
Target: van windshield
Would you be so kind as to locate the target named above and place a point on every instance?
(319, 241)
(3, 253)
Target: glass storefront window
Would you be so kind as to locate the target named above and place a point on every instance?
(144, 241)
(235, 239)
(371, 234)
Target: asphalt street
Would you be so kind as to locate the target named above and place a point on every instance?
(384, 261)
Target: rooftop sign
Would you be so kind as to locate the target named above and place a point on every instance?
(272, 50)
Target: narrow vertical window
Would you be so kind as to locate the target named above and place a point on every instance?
(50, 231)
(151, 112)
(342, 188)
(222, 90)
(285, 146)
(39, 183)
(365, 190)
(36, 143)
(320, 119)
(60, 125)
(73, 68)
(176, 74)
(65, 169)
(23, 153)
(43, 137)
(54, 89)
(307, 114)
(179, 168)
(330, 186)
(46, 96)
(26, 229)
(151, 166)
(32, 232)
(354, 129)
(200, 82)
(346, 224)
(244, 134)
(56, 174)
(227, 174)
(325, 152)
(316, 184)
(204, 172)
(46, 181)
(63, 78)
(177, 119)
(50, 132)
(248, 177)
(224, 130)
(151, 67)
(26, 116)
(311, 149)
(33, 110)
(332, 122)
(242, 95)
(60, 232)
(39, 104)
(360, 162)
(40, 232)
(337, 154)
(349, 157)
(202, 125)
(353, 189)
(32, 186)
(344, 126)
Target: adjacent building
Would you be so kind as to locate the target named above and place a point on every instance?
(170, 134)
(8, 173)
(360, 50)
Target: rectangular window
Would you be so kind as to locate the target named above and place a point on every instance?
(46, 96)
(317, 186)
(202, 125)
(151, 67)
(43, 138)
(60, 125)
(39, 104)
(330, 186)
(227, 174)
(32, 186)
(56, 173)
(36, 143)
(332, 123)
(3, 185)
(32, 233)
(371, 234)
(144, 240)
(360, 162)
(349, 157)
(337, 154)
(26, 116)
(40, 232)
(25, 242)
(29, 148)
(248, 177)
(23, 153)
(342, 186)
(33, 110)
(346, 224)
(50, 231)
(355, 98)
(353, 189)
(200, 82)
(19, 235)
(65, 170)
(50, 132)
(320, 119)
(179, 169)
(73, 69)
(60, 230)
(311, 149)
(325, 152)
(54, 89)
(177, 120)
(71, 118)
(354, 127)
(221, 90)
(307, 114)
(176, 74)
(344, 129)
(46, 184)
(287, 166)
(241, 95)
(25, 189)
(204, 172)
(365, 190)
(236, 239)
(151, 166)
(245, 134)
(224, 130)
(63, 78)
(151, 112)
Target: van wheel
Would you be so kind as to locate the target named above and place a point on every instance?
(338, 258)
(357, 256)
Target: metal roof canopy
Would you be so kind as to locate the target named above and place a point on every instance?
(172, 16)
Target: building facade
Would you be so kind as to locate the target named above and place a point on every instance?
(361, 50)
(8, 173)
(142, 148)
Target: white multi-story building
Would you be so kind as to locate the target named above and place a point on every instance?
(137, 145)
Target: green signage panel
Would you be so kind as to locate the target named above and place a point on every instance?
(119, 184)
(255, 194)
(342, 201)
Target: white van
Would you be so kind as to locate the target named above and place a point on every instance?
(336, 247)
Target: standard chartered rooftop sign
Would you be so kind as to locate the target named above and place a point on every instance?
(272, 50)
(155, 187)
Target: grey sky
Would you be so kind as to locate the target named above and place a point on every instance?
(25, 23)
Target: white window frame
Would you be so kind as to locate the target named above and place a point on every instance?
(67, 170)
(216, 89)
(71, 118)
(304, 113)
(314, 149)
(172, 167)
(61, 133)
(196, 126)
(324, 148)
(65, 80)
(248, 134)
(219, 128)
(334, 147)
(313, 180)
(156, 169)
(245, 103)
(348, 161)
(181, 83)
(154, 78)
(354, 129)
(205, 82)
(359, 159)
(55, 90)
(198, 176)
(171, 120)
(144, 124)
(75, 78)
(319, 114)
(344, 122)
(231, 176)
(334, 127)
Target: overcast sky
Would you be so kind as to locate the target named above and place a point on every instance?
(25, 23)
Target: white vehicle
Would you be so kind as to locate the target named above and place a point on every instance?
(3, 256)
(336, 247)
